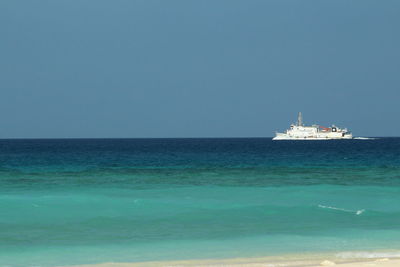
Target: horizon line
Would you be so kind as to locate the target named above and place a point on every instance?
(225, 137)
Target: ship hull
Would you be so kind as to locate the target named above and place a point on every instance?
(311, 138)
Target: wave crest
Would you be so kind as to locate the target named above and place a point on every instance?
(357, 212)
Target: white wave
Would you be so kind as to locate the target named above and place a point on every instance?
(368, 255)
(364, 138)
(357, 212)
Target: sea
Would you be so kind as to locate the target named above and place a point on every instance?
(83, 201)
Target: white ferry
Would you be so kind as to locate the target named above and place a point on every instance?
(315, 132)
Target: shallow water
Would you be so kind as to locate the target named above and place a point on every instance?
(92, 200)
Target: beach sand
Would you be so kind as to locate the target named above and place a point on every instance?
(293, 261)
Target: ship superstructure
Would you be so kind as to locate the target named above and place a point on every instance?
(299, 131)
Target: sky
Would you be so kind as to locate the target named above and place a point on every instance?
(204, 68)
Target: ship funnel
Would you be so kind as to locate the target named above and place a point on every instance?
(300, 120)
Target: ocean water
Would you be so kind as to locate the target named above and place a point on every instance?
(78, 201)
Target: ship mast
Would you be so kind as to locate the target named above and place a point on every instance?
(300, 120)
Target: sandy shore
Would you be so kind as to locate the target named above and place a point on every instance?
(283, 261)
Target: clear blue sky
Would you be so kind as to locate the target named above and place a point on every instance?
(204, 68)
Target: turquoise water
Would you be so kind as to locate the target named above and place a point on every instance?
(88, 201)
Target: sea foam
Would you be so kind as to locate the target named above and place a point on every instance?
(367, 255)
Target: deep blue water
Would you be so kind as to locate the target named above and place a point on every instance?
(72, 201)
